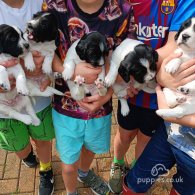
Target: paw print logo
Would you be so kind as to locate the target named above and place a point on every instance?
(159, 169)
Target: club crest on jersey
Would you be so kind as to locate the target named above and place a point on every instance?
(167, 6)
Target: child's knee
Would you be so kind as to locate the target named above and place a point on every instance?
(69, 168)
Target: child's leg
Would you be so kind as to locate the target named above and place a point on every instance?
(14, 136)
(43, 149)
(86, 159)
(42, 136)
(69, 174)
(142, 141)
(156, 159)
(25, 152)
(184, 179)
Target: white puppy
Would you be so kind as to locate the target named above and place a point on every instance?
(12, 104)
(182, 101)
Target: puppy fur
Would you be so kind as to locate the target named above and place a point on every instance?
(42, 31)
(132, 58)
(91, 48)
(182, 101)
(12, 45)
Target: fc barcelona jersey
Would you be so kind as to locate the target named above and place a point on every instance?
(154, 20)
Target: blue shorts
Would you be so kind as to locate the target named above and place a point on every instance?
(158, 158)
(72, 134)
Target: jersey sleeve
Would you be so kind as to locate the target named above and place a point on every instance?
(185, 9)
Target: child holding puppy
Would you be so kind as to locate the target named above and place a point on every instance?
(83, 128)
(14, 135)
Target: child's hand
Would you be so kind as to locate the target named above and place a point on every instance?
(10, 63)
(162, 103)
(87, 71)
(95, 102)
(184, 74)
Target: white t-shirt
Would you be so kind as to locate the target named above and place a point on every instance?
(19, 17)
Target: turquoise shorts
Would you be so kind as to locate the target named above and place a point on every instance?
(72, 134)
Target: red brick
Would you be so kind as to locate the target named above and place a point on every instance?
(59, 184)
(27, 179)
(104, 164)
(3, 154)
(8, 186)
(12, 166)
(1, 171)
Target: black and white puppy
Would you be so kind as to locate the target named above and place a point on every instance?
(12, 45)
(181, 101)
(91, 48)
(42, 31)
(132, 58)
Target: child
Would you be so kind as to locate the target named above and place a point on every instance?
(14, 135)
(156, 25)
(83, 128)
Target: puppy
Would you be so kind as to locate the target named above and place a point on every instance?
(91, 48)
(12, 45)
(42, 31)
(182, 101)
(133, 58)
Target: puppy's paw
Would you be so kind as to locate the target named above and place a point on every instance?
(22, 90)
(181, 99)
(31, 67)
(102, 90)
(79, 80)
(125, 111)
(173, 66)
(29, 63)
(26, 119)
(67, 73)
(5, 86)
(57, 75)
(184, 90)
(36, 121)
(109, 80)
(47, 68)
(161, 112)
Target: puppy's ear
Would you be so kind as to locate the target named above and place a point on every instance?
(106, 47)
(155, 55)
(127, 66)
(57, 40)
(80, 49)
(184, 25)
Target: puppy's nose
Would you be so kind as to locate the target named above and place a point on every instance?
(185, 37)
(26, 45)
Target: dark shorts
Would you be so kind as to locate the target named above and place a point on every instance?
(143, 118)
(158, 158)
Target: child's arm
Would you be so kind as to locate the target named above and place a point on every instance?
(83, 69)
(95, 102)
